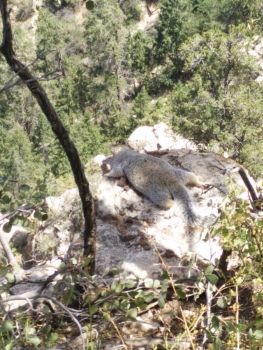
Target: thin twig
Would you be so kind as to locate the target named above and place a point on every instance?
(117, 330)
(25, 209)
(175, 293)
(55, 301)
(237, 318)
(8, 85)
(187, 328)
(44, 77)
(209, 298)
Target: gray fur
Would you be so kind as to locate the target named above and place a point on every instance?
(155, 178)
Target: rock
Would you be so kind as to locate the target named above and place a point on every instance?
(135, 237)
(157, 138)
(62, 205)
(99, 159)
(20, 295)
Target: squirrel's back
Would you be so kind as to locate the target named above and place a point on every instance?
(154, 178)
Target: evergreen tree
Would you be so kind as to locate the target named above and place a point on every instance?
(221, 102)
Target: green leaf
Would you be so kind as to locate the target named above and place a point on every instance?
(180, 293)
(40, 215)
(215, 322)
(52, 339)
(119, 288)
(130, 284)
(6, 198)
(7, 326)
(9, 346)
(10, 277)
(34, 340)
(4, 271)
(148, 297)
(30, 331)
(161, 301)
(7, 227)
(156, 284)
(93, 309)
(90, 5)
(258, 334)
(125, 304)
(209, 270)
(139, 300)
(24, 188)
(221, 302)
(107, 306)
(114, 285)
(148, 283)
(165, 275)
(132, 313)
(213, 279)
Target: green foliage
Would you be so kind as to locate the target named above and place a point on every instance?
(139, 52)
(141, 108)
(176, 24)
(240, 11)
(19, 175)
(192, 69)
(132, 10)
(206, 85)
(25, 11)
(221, 102)
(105, 35)
(243, 236)
(59, 4)
(106, 38)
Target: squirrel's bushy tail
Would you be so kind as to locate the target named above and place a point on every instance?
(182, 196)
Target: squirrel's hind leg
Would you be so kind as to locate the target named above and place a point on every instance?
(159, 196)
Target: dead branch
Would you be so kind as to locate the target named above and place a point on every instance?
(208, 319)
(9, 254)
(17, 269)
(57, 126)
(46, 77)
(53, 300)
(10, 83)
(252, 192)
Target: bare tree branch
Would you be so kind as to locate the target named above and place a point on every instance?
(46, 77)
(10, 83)
(53, 300)
(251, 190)
(57, 126)
(9, 254)
(18, 271)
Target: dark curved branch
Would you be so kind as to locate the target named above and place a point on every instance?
(57, 126)
(251, 190)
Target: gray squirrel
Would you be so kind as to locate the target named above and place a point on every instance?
(155, 179)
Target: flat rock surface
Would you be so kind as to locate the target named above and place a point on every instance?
(134, 237)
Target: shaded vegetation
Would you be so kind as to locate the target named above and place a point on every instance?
(102, 75)
(192, 69)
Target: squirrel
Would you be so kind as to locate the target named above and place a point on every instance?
(155, 179)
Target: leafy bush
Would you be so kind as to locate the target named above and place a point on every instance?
(132, 9)
(221, 102)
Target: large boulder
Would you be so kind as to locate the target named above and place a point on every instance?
(140, 239)
(134, 237)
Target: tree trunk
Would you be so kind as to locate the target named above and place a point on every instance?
(57, 126)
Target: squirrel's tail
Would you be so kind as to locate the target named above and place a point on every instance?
(182, 196)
